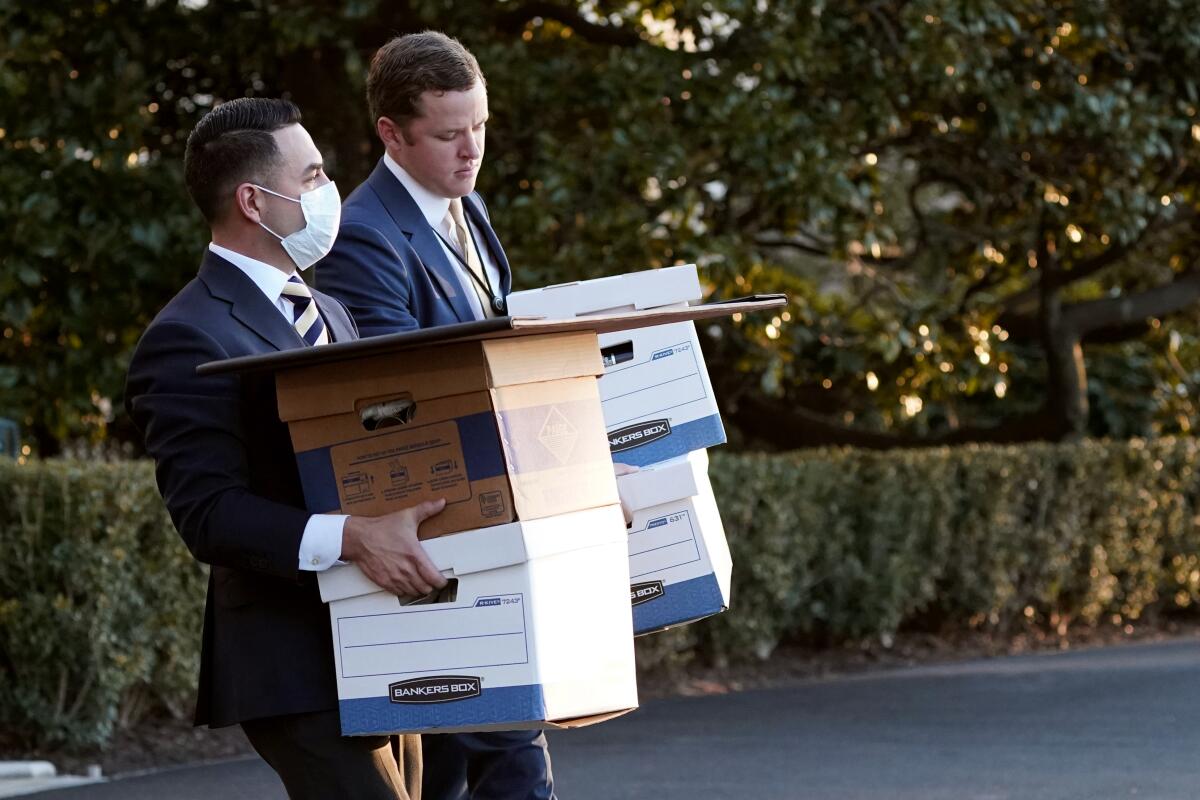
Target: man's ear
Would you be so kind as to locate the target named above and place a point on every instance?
(390, 133)
(248, 202)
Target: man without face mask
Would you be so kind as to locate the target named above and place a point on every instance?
(417, 250)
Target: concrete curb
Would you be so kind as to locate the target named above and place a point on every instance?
(19, 787)
(15, 770)
(19, 778)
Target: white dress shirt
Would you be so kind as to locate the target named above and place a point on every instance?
(321, 543)
(434, 209)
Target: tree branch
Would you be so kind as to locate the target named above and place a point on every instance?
(1115, 312)
(803, 245)
(787, 426)
(515, 19)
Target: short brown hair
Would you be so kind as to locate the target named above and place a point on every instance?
(408, 66)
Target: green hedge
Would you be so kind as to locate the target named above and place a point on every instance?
(100, 603)
(848, 544)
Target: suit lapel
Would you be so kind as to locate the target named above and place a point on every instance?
(248, 305)
(408, 217)
(337, 322)
(475, 211)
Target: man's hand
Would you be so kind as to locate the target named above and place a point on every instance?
(620, 469)
(387, 551)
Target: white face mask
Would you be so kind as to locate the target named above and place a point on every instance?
(322, 209)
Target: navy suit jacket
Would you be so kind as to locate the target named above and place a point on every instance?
(389, 267)
(226, 469)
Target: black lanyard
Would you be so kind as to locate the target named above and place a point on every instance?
(498, 304)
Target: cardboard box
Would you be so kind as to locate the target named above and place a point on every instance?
(504, 429)
(538, 634)
(679, 561)
(657, 398)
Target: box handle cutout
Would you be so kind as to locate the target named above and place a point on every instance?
(388, 413)
(447, 594)
(617, 353)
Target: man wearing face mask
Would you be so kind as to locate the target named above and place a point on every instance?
(226, 469)
(416, 250)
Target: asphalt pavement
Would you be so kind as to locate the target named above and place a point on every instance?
(1117, 722)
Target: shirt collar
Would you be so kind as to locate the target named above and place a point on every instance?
(433, 208)
(267, 278)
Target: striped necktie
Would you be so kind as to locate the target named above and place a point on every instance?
(305, 317)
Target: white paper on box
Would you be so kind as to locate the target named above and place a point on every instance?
(679, 560)
(539, 632)
(656, 395)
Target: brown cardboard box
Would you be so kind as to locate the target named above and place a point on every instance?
(504, 429)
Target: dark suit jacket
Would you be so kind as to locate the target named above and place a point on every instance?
(227, 471)
(389, 267)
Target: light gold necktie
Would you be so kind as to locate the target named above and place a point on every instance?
(463, 242)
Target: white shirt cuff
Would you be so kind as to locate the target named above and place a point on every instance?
(321, 544)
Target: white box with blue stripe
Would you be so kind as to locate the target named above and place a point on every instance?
(535, 633)
(655, 391)
(679, 562)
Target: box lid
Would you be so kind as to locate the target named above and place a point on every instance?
(664, 482)
(422, 373)
(492, 548)
(634, 291)
(488, 329)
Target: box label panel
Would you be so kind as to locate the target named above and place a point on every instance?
(442, 640)
(654, 383)
(665, 542)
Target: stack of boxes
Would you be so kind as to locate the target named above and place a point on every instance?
(660, 415)
(544, 548)
(533, 629)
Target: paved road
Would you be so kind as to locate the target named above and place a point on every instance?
(1109, 723)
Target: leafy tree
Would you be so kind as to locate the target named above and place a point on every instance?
(984, 211)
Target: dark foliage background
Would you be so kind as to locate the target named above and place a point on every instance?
(985, 212)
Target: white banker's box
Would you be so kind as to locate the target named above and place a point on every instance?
(679, 563)
(539, 634)
(657, 398)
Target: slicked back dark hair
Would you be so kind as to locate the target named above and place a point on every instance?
(232, 144)
(408, 66)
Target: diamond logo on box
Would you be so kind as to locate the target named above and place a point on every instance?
(435, 689)
(637, 435)
(558, 435)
